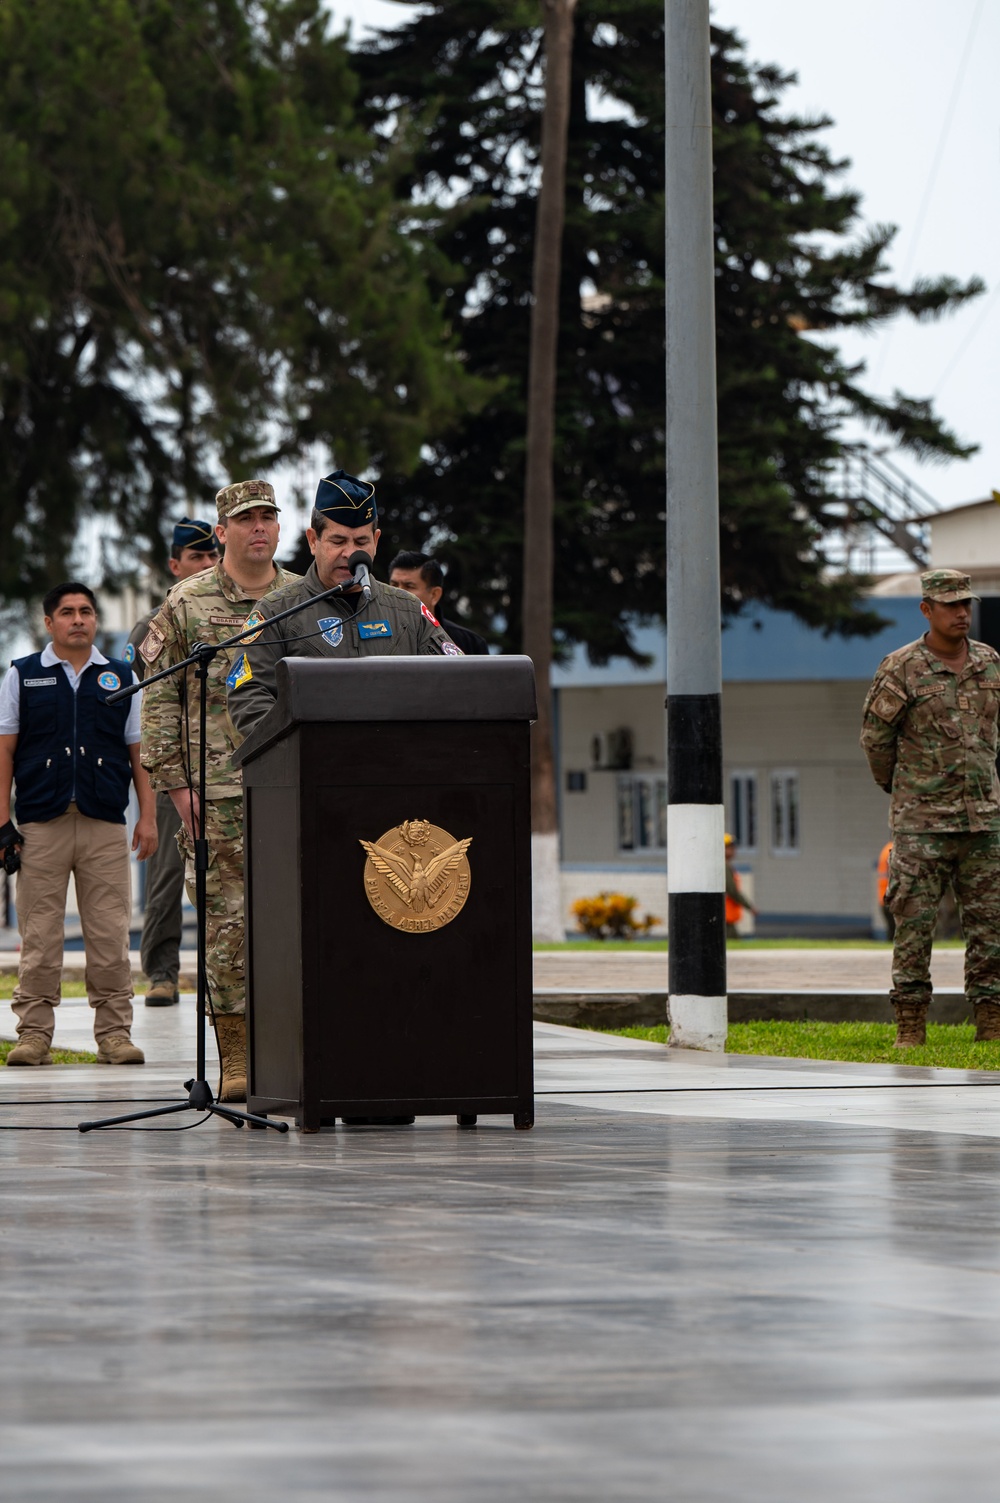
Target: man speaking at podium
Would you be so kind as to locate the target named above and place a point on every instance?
(389, 621)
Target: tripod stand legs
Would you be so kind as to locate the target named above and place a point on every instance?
(200, 1099)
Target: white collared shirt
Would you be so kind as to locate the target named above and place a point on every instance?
(10, 694)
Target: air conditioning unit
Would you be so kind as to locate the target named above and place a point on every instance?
(612, 750)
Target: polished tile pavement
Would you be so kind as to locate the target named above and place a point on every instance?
(699, 1278)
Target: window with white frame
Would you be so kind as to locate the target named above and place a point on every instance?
(642, 812)
(785, 834)
(743, 809)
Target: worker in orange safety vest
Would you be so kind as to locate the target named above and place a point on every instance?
(882, 874)
(736, 900)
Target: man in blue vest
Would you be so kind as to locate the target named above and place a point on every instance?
(73, 757)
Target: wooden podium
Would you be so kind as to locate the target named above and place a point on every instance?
(388, 890)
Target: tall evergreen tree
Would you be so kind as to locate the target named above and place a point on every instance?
(794, 264)
(201, 268)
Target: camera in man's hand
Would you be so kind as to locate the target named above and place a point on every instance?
(10, 839)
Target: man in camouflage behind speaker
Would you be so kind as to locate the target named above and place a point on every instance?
(210, 607)
(344, 520)
(930, 736)
(194, 547)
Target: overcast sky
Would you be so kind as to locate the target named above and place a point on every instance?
(911, 89)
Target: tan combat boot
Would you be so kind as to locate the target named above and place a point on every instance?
(118, 1049)
(162, 993)
(911, 1024)
(987, 1016)
(33, 1049)
(231, 1035)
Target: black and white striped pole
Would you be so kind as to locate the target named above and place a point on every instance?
(695, 815)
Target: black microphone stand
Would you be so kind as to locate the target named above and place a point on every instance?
(200, 1097)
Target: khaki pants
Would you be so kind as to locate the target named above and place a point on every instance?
(96, 852)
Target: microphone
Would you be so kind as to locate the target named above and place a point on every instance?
(359, 564)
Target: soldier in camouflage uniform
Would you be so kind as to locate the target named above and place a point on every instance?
(392, 622)
(930, 736)
(209, 607)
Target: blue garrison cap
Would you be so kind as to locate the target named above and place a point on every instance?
(347, 500)
(191, 532)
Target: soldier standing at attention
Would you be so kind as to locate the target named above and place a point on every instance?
(194, 547)
(393, 622)
(209, 607)
(930, 736)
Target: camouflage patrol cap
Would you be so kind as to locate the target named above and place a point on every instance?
(347, 500)
(244, 496)
(946, 586)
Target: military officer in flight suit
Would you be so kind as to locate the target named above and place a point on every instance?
(393, 621)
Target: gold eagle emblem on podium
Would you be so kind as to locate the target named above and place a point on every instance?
(417, 876)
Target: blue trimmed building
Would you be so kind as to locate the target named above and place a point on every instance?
(799, 797)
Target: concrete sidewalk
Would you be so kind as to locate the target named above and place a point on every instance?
(615, 989)
(700, 1278)
(836, 968)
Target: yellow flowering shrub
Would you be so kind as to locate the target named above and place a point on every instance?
(611, 915)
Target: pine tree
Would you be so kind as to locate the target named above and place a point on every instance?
(201, 269)
(794, 264)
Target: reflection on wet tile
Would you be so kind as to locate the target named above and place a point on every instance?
(698, 1279)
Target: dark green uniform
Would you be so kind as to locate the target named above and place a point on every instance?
(162, 927)
(393, 623)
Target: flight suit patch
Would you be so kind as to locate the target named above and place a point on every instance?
(240, 673)
(332, 629)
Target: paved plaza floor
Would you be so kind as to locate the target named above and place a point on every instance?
(700, 1279)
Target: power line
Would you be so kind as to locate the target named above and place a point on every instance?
(935, 167)
(985, 310)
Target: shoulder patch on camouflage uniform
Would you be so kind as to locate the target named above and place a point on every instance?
(888, 703)
(152, 644)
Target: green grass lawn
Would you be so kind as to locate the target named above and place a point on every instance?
(736, 945)
(69, 988)
(948, 1044)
